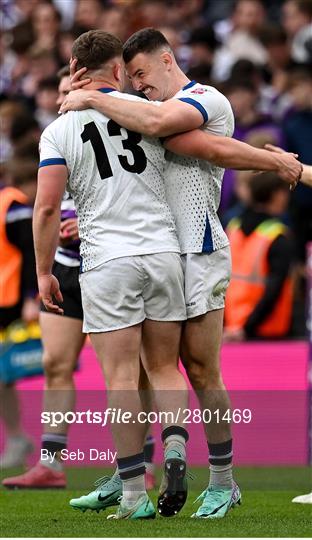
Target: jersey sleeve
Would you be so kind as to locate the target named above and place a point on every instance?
(49, 148)
(209, 104)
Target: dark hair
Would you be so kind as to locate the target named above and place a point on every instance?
(304, 6)
(244, 69)
(94, 48)
(299, 72)
(240, 83)
(27, 149)
(22, 171)
(273, 35)
(22, 124)
(262, 188)
(200, 73)
(49, 83)
(237, 2)
(63, 72)
(146, 40)
(204, 35)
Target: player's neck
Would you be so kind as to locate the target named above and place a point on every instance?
(179, 80)
(103, 83)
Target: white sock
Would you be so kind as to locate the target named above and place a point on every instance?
(53, 464)
(132, 488)
(221, 475)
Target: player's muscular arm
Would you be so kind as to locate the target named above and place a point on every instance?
(161, 120)
(230, 153)
(46, 224)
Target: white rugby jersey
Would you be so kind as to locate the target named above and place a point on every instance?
(116, 180)
(194, 186)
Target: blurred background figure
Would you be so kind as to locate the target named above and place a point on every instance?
(297, 22)
(297, 129)
(46, 23)
(88, 14)
(241, 37)
(251, 124)
(46, 97)
(203, 44)
(260, 295)
(9, 110)
(18, 291)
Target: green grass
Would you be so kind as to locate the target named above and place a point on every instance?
(267, 510)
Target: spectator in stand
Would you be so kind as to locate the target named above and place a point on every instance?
(43, 63)
(17, 12)
(241, 38)
(24, 130)
(113, 20)
(88, 14)
(46, 97)
(46, 22)
(9, 110)
(297, 22)
(297, 128)
(8, 61)
(244, 97)
(241, 197)
(181, 50)
(203, 44)
(259, 298)
(274, 39)
(186, 16)
(18, 289)
(152, 13)
(65, 44)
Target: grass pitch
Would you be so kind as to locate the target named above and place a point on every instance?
(267, 510)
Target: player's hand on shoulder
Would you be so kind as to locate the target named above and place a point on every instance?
(76, 101)
(50, 293)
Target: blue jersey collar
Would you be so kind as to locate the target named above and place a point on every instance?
(189, 85)
(106, 90)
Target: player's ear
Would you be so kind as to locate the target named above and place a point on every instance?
(118, 71)
(167, 60)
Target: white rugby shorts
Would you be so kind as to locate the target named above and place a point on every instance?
(123, 292)
(207, 276)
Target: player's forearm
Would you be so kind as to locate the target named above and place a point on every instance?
(46, 224)
(141, 117)
(306, 177)
(151, 119)
(223, 151)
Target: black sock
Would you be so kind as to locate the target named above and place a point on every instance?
(53, 442)
(131, 466)
(220, 453)
(220, 459)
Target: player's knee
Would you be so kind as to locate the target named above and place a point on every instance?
(156, 372)
(203, 376)
(120, 379)
(57, 370)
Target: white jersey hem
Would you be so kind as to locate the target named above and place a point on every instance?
(135, 253)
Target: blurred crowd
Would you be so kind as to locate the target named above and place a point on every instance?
(259, 53)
